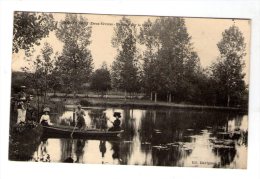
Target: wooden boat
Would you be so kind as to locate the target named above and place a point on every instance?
(69, 131)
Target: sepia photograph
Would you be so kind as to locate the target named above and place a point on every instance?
(129, 90)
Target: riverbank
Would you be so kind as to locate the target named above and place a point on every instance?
(140, 103)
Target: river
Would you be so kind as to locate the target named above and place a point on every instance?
(157, 137)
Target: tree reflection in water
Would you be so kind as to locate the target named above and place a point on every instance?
(66, 148)
(163, 137)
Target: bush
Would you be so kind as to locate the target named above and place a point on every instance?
(84, 102)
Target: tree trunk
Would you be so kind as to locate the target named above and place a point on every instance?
(228, 100)
(170, 97)
(155, 97)
(151, 96)
(125, 95)
(38, 106)
(154, 116)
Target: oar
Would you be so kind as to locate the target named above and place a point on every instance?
(73, 130)
(110, 121)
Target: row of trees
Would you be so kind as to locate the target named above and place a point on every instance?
(157, 59)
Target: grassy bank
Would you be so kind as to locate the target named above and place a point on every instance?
(139, 103)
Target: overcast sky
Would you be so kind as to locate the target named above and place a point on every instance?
(205, 33)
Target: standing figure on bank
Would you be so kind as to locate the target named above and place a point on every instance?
(21, 112)
(80, 113)
(30, 113)
(21, 105)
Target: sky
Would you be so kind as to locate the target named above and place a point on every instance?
(205, 34)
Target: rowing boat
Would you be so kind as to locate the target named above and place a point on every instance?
(69, 131)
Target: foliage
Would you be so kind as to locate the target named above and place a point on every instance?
(170, 64)
(30, 28)
(75, 63)
(84, 102)
(101, 80)
(38, 75)
(227, 71)
(125, 67)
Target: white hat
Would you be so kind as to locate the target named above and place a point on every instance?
(46, 109)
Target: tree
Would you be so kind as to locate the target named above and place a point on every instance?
(38, 75)
(30, 28)
(170, 64)
(150, 71)
(227, 71)
(55, 82)
(47, 66)
(75, 63)
(125, 67)
(101, 80)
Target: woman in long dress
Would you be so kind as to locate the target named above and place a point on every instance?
(21, 112)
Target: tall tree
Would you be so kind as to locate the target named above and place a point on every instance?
(75, 63)
(30, 28)
(47, 66)
(227, 72)
(38, 75)
(169, 49)
(150, 72)
(125, 67)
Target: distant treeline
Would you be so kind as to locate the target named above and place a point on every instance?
(157, 59)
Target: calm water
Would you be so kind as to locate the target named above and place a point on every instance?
(157, 137)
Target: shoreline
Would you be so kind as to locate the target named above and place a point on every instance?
(143, 104)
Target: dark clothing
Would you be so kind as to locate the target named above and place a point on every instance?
(80, 118)
(116, 126)
(103, 123)
(117, 123)
(30, 114)
(102, 148)
(44, 123)
(81, 122)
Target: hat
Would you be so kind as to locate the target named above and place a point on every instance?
(23, 98)
(117, 114)
(46, 109)
(79, 106)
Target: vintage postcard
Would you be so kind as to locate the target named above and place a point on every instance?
(130, 90)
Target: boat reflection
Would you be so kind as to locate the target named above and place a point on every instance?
(160, 138)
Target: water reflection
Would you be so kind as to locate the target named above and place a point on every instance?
(79, 150)
(161, 138)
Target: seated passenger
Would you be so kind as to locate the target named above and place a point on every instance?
(45, 118)
(116, 123)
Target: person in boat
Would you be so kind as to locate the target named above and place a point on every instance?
(116, 123)
(80, 113)
(45, 118)
(103, 122)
